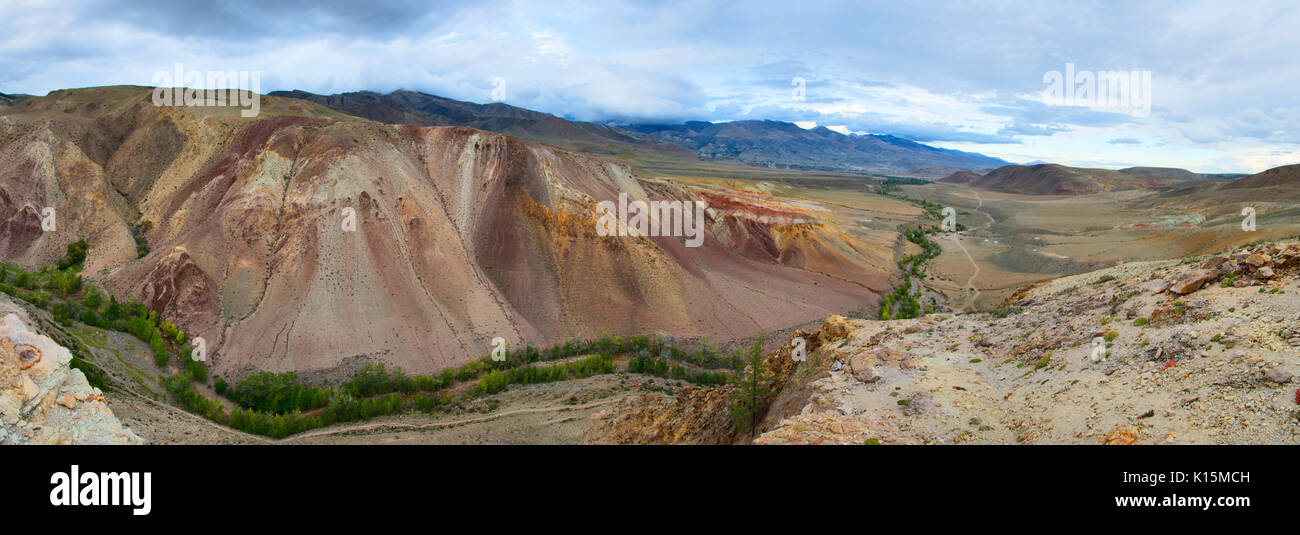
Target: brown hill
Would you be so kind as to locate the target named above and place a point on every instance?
(961, 177)
(1287, 176)
(460, 236)
(1056, 179)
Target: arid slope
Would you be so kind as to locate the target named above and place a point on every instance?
(460, 235)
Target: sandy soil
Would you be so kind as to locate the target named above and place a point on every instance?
(552, 413)
(1205, 375)
(1018, 240)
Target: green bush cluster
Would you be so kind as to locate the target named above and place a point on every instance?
(276, 393)
(648, 365)
(497, 380)
(140, 232)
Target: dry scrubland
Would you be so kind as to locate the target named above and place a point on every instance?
(1043, 237)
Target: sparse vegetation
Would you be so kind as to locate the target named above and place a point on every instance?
(1005, 311)
(751, 397)
(901, 302)
(140, 232)
(59, 290)
(660, 368)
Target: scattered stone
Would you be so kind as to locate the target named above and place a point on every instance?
(1192, 280)
(1154, 286)
(1214, 263)
(863, 367)
(1278, 375)
(1121, 436)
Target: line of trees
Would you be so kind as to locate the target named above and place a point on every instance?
(901, 302)
(648, 365)
(497, 380)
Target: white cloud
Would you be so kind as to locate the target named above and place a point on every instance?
(959, 75)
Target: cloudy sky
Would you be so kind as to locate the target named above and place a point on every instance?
(1224, 90)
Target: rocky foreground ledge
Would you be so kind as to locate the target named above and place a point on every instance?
(43, 400)
(1202, 350)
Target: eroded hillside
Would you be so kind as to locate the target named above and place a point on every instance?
(305, 239)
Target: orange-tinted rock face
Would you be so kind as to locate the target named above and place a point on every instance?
(298, 240)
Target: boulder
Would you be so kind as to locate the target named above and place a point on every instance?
(863, 367)
(1214, 263)
(1253, 259)
(1278, 375)
(1154, 286)
(1192, 280)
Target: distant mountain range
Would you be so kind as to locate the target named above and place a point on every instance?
(1056, 179)
(1174, 173)
(764, 143)
(781, 144)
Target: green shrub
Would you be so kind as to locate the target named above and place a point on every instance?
(76, 254)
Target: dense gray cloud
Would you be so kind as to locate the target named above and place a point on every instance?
(959, 74)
